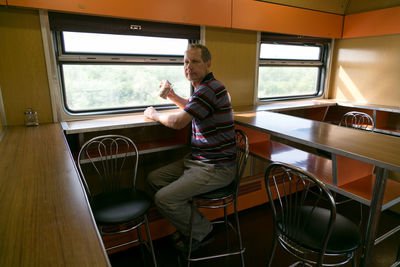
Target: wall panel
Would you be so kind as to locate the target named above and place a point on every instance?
(233, 61)
(2, 126)
(366, 70)
(23, 75)
(2, 115)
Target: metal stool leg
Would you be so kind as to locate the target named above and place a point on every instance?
(241, 249)
(150, 241)
(141, 244)
(273, 249)
(226, 227)
(354, 263)
(190, 234)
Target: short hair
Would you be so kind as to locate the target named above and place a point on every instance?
(205, 53)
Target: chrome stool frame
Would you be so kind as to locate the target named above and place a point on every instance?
(222, 198)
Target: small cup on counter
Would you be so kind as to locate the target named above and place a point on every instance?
(31, 118)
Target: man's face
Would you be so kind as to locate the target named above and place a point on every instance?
(195, 68)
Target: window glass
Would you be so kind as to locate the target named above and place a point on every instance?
(102, 72)
(290, 70)
(80, 42)
(287, 81)
(277, 51)
(91, 87)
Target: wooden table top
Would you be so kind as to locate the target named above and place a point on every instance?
(131, 120)
(373, 148)
(45, 219)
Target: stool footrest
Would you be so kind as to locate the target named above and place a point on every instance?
(218, 256)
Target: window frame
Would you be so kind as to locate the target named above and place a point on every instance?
(69, 58)
(321, 63)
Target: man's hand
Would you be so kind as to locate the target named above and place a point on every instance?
(151, 113)
(177, 120)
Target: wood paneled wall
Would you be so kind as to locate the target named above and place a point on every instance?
(1, 125)
(2, 115)
(23, 75)
(366, 70)
(233, 61)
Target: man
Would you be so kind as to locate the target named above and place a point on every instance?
(211, 163)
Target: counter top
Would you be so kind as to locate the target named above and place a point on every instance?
(45, 219)
(138, 119)
(373, 148)
(287, 105)
(316, 103)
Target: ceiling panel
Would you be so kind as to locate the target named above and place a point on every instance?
(357, 6)
(330, 6)
(342, 7)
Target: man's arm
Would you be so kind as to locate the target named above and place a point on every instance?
(179, 101)
(175, 120)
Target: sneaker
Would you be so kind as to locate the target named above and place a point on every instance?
(183, 243)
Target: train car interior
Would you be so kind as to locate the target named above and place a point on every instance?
(313, 84)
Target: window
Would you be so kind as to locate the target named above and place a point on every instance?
(113, 65)
(111, 83)
(291, 67)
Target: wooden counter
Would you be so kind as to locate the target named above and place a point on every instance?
(279, 106)
(45, 219)
(373, 148)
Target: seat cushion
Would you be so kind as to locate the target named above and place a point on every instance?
(120, 206)
(345, 236)
(219, 193)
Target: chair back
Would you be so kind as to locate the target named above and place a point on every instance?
(300, 196)
(242, 153)
(108, 163)
(357, 120)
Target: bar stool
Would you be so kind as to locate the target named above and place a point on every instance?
(108, 166)
(305, 220)
(222, 198)
(357, 120)
(361, 121)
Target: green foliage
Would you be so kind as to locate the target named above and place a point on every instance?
(287, 81)
(89, 87)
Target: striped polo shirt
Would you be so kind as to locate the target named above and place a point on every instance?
(213, 132)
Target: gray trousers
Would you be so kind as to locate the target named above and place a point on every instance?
(175, 184)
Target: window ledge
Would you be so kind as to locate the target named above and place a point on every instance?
(108, 123)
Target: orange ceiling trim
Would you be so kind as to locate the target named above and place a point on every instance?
(372, 23)
(263, 16)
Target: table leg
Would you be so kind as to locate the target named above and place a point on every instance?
(373, 217)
